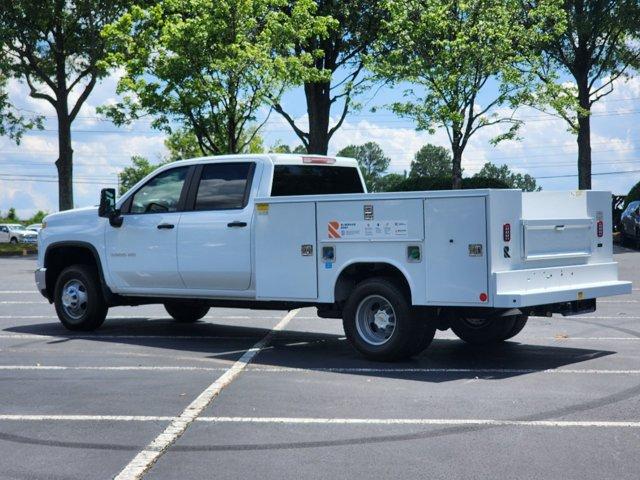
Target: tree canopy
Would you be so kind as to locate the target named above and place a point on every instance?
(450, 51)
(339, 59)
(371, 159)
(504, 174)
(211, 65)
(56, 48)
(431, 161)
(600, 45)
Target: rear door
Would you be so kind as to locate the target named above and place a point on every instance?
(455, 250)
(214, 236)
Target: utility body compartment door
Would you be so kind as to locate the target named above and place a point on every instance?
(286, 253)
(456, 251)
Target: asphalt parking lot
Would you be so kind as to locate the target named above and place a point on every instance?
(249, 394)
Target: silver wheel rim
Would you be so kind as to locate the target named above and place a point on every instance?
(74, 299)
(375, 320)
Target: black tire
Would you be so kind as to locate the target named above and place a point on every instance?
(78, 298)
(185, 312)
(13, 240)
(482, 331)
(409, 335)
(518, 324)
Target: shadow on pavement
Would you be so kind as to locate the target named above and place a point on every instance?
(445, 360)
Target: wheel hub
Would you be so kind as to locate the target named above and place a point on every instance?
(375, 320)
(74, 299)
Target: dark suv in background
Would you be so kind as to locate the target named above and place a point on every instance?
(630, 224)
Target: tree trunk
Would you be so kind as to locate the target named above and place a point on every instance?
(456, 148)
(584, 137)
(319, 111)
(65, 159)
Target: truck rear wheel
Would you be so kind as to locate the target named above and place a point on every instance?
(482, 331)
(78, 299)
(518, 324)
(379, 322)
(185, 312)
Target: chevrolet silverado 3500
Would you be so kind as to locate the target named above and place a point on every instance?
(288, 231)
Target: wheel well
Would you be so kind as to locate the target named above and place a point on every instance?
(58, 258)
(356, 272)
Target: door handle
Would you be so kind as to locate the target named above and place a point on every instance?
(237, 224)
(165, 226)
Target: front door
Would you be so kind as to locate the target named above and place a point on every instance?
(141, 253)
(214, 236)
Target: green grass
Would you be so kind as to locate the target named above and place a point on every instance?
(18, 249)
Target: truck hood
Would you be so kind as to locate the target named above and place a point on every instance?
(71, 216)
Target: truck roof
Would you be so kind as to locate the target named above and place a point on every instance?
(275, 159)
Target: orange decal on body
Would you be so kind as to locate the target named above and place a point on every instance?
(333, 229)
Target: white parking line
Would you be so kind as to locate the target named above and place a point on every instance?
(324, 421)
(489, 371)
(70, 336)
(419, 421)
(147, 457)
(125, 368)
(85, 418)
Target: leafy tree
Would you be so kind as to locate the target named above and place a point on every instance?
(339, 61)
(182, 144)
(415, 184)
(210, 65)
(600, 45)
(11, 215)
(283, 148)
(140, 168)
(431, 161)
(56, 48)
(37, 217)
(514, 180)
(390, 182)
(371, 159)
(12, 122)
(452, 51)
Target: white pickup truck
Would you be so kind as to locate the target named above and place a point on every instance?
(287, 231)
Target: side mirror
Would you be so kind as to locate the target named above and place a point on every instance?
(107, 207)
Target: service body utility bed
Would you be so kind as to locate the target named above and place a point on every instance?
(475, 248)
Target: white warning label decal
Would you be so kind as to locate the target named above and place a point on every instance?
(364, 229)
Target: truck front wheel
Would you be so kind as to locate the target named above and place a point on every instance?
(482, 331)
(379, 322)
(186, 312)
(78, 300)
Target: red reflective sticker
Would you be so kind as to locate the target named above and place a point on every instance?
(483, 297)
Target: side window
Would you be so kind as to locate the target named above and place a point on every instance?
(4, 229)
(161, 194)
(223, 186)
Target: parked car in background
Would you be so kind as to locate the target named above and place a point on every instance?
(35, 227)
(630, 223)
(16, 233)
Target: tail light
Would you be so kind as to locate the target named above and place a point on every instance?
(600, 228)
(506, 232)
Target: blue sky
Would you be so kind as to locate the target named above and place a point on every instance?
(28, 174)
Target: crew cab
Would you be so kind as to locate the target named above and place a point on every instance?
(286, 231)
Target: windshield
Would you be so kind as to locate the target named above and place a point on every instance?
(15, 228)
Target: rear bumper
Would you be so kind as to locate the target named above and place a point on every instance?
(544, 286)
(530, 298)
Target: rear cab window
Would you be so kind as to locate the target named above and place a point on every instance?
(314, 180)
